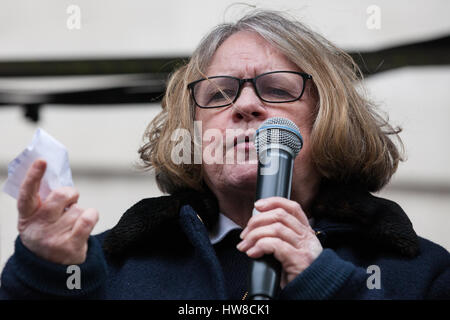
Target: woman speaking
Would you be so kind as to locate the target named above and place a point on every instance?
(198, 241)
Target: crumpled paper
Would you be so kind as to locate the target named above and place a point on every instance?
(57, 174)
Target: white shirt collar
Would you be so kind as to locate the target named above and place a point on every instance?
(225, 225)
(222, 228)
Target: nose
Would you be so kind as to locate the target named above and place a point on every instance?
(248, 106)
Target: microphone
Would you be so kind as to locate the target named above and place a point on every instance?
(277, 143)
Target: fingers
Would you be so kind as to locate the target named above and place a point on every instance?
(276, 230)
(67, 221)
(277, 215)
(270, 245)
(28, 200)
(57, 201)
(280, 219)
(63, 241)
(276, 209)
(281, 228)
(85, 223)
(290, 206)
(55, 229)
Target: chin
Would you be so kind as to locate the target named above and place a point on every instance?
(242, 176)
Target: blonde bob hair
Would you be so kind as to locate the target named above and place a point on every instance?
(350, 141)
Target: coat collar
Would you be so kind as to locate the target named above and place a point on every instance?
(349, 211)
(342, 212)
(156, 220)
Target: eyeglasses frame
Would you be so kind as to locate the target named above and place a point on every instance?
(191, 86)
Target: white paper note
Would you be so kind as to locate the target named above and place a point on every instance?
(57, 174)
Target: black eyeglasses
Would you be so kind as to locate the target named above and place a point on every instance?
(272, 87)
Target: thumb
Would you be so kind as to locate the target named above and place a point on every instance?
(29, 199)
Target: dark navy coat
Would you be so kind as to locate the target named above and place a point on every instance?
(160, 249)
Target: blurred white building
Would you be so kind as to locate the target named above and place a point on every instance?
(103, 141)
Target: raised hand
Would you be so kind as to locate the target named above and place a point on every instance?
(56, 229)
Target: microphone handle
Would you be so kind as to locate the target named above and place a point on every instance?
(265, 272)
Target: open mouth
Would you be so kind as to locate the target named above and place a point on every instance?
(243, 146)
(244, 140)
(241, 139)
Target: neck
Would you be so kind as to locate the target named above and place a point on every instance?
(305, 196)
(238, 205)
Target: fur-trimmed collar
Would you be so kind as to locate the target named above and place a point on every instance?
(377, 222)
(343, 212)
(155, 220)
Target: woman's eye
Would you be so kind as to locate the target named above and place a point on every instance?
(217, 95)
(221, 95)
(277, 92)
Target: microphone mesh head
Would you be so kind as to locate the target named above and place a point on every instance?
(278, 131)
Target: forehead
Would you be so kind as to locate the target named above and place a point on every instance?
(246, 54)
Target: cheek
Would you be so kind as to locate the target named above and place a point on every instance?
(304, 169)
(303, 159)
(200, 116)
(305, 153)
(304, 119)
(209, 120)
